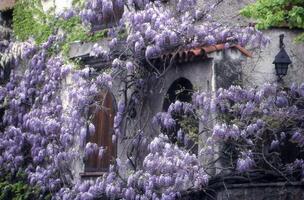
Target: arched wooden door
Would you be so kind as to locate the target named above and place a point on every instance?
(103, 121)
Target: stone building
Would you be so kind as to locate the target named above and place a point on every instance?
(206, 69)
(209, 68)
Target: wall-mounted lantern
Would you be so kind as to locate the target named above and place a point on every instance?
(281, 60)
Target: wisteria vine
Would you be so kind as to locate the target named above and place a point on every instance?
(42, 134)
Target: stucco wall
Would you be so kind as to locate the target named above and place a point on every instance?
(260, 69)
(60, 4)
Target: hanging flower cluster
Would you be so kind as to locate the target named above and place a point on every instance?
(155, 29)
(100, 11)
(166, 172)
(166, 119)
(255, 122)
(39, 132)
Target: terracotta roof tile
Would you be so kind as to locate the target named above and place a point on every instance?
(188, 55)
(219, 47)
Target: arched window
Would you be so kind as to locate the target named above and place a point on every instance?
(103, 121)
(182, 90)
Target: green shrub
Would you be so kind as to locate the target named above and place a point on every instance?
(15, 187)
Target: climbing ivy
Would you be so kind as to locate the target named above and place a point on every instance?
(277, 13)
(77, 32)
(78, 3)
(30, 21)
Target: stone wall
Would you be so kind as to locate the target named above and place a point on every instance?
(250, 191)
(267, 191)
(60, 5)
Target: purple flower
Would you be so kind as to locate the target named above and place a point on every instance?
(67, 14)
(180, 135)
(298, 138)
(84, 187)
(274, 145)
(83, 135)
(114, 139)
(219, 131)
(101, 152)
(90, 148)
(104, 80)
(245, 162)
(260, 123)
(117, 63)
(152, 51)
(121, 107)
(281, 101)
(249, 108)
(91, 129)
(301, 90)
(251, 128)
(130, 66)
(98, 51)
(165, 120)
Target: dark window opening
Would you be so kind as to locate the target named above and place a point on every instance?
(182, 90)
(103, 121)
(6, 18)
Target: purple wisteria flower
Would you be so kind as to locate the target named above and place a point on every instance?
(67, 14)
(245, 162)
(99, 51)
(165, 120)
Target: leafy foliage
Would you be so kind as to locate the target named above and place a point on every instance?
(30, 21)
(277, 13)
(17, 188)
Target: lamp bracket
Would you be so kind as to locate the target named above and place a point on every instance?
(282, 45)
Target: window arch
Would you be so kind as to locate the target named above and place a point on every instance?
(104, 122)
(182, 90)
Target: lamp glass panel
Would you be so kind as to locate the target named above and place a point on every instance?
(281, 69)
(285, 70)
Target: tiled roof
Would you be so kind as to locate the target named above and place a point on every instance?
(220, 47)
(189, 54)
(6, 4)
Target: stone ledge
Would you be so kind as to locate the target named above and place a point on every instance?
(271, 184)
(250, 191)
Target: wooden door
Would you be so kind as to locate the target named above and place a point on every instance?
(103, 121)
